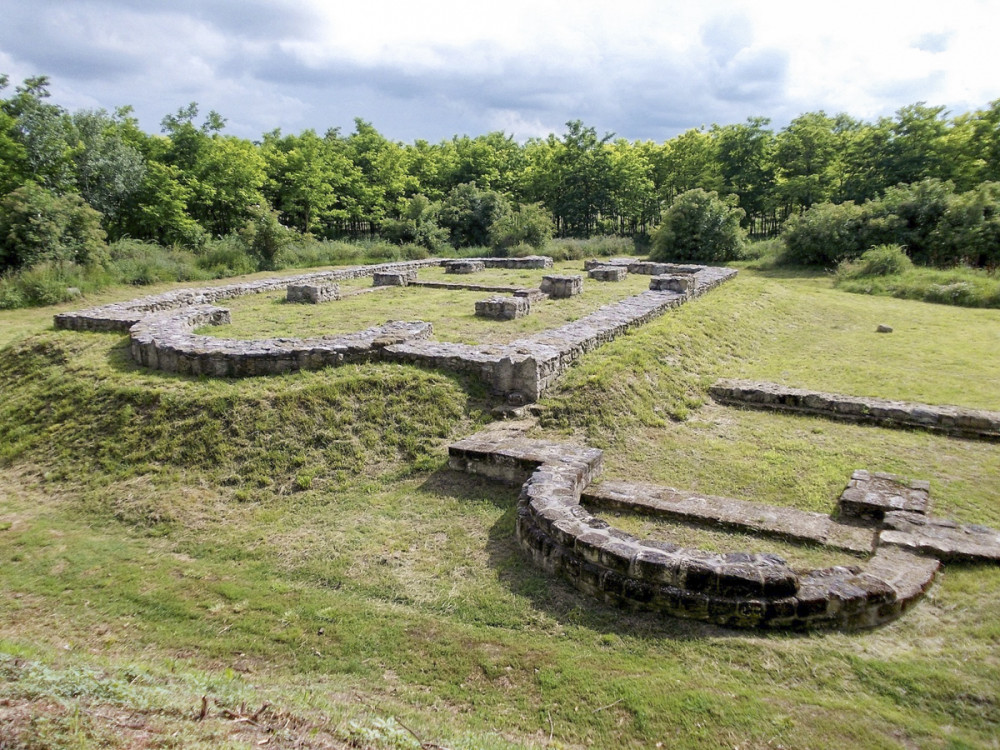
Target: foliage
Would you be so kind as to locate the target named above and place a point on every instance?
(880, 260)
(963, 287)
(700, 226)
(265, 237)
(468, 212)
(826, 234)
(529, 225)
(38, 226)
(417, 225)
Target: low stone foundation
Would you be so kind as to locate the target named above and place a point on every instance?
(120, 316)
(464, 266)
(393, 278)
(503, 308)
(608, 273)
(312, 293)
(167, 342)
(562, 287)
(682, 283)
(518, 372)
(734, 589)
(952, 420)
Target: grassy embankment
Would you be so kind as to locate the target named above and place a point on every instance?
(298, 540)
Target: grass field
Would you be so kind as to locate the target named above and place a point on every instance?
(200, 563)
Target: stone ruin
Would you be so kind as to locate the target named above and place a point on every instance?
(562, 286)
(518, 372)
(503, 308)
(608, 273)
(313, 293)
(951, 420)
(881, 516)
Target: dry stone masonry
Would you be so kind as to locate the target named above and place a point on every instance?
(952, 420)
(167, 342)
(503, 308)
(682, 283)
(734, 589)
(519, 372)
(312, 293)
(608, 273)
(562, 286)
(464, 266)
(121, 316)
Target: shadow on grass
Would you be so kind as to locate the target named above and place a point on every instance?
(555, 596)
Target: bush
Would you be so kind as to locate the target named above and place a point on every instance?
(881, 260)
(825, 235)
(530, 225)
(143, 263)
(38, 226)
(227, 256)
(418, 225)
(265, 237)
(570, 248)
(700, 226)
(468, 212)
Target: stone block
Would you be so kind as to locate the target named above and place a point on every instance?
(871, 496)
(503, 308)
(562, 287)
(682, 283)
(312, 293)
(393, 278)
(464, 266)
(608, 273)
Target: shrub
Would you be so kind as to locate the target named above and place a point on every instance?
(700, 226)
(38, 226)
(265, 237)
(825, 235)
(468, 212)
(881, 260)
(530, 224)
(227, 256)
(418, 225)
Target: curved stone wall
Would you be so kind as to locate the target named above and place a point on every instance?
(519, 371)
(735, 589)
(167, 342)
(953, 420)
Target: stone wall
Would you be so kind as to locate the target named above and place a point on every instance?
(121, 316)
(167, 342)
(524, 369)
(520, 371)
(953, 420)
(734, 589)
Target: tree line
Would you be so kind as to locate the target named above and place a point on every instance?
(68, 181)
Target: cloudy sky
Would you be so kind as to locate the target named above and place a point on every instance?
(436, 68)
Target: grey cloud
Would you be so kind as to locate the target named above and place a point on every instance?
(725, 36)
(759, 77)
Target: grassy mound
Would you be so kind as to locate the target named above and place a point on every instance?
(178, 552)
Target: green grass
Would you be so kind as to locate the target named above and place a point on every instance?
(298, 541)
(452, 313)
(963, 287)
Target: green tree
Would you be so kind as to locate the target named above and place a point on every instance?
(309, 179)
(700, 226)
(805, 155)
(37, 226)
(468, 212)
(417, 224)
(109, 170)
(44, 133)
(744, 155)
(528, 225)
